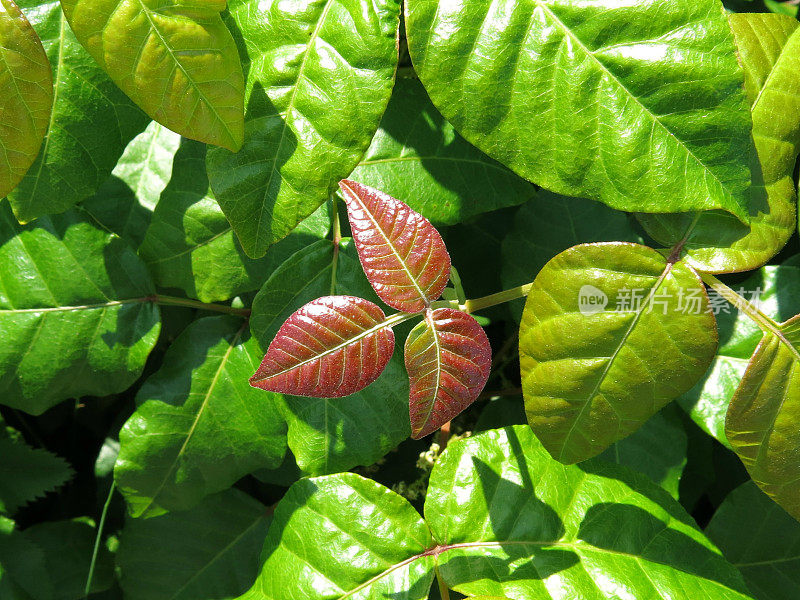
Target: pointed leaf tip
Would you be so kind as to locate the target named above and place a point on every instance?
(332, 347)
(403, 255)
(448, 358)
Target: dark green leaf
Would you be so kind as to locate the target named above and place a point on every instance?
(761, 424)
(76, 311)
(418, 157)
(769, 48)
(27, 473)
(199, 426)
(639, 105)
(761, 540)
(165, 558)
(125, 201)
(611, 332)
(91, 122)
(550, 224)
(319, 77)
(190, 244)
(174, 58)
(26, 87)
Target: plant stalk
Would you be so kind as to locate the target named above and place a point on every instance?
(444, 592)
(337, 240)
(98, 537)
(174, 301)
(498, 298)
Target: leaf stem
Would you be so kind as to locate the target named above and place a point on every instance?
(498, 298)
(175, 301)
(444, 592)
(762, 320)
(97, 539)
(337, 240)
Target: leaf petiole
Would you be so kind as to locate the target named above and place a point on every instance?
(498, 298)
(174, 301)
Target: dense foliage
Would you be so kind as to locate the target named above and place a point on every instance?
(381, 299)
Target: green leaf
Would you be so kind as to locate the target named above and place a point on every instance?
(367, 543)
(775, 291)
(165, 559)
(22, 565)
(657, 449)
(611, 332)
(198, 426)
(769, 48)
(512, 521)
(501, 518)
(761, 424)
(91, 122)
(783, 7)
(125, 201)
(76, 311)
(332, 435)
(638, 105)
(550, 224)
(761, 540)
(319, 76)
(26, 86)
(417, 156)
(28, 473)
(190, 244)
(174, 58)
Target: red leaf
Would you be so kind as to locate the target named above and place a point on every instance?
(403, 255)
(331, 347)
(448, 358)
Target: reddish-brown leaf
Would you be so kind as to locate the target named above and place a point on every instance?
(403, 255)
(331, 347)
(448, 358)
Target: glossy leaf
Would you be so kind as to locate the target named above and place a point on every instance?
(610, 333)
(657, 449)
(26, 86)
(165, 559)
(448, 358)
(90, 125)
(331, 347)
(319, 77)
(76, 311)
(175, 59)
(125, 201)
(501, 519)
(761, 540)
(418, 156)
(761, 424)
(775, 291)
(638, 105)
(367, 544)
(190, 244)
(550, 224)
(329, 436)
(28, 473)
(197, 403)
(403, 255)
(769, 47)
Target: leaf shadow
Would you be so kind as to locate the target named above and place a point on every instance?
(519, 521)
(629, 530)
(115, 207)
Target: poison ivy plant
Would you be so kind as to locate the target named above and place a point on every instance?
(89, 127)
(610, 333)
(319, 77)
(501, 518)
(78, 305)
(27, 86)
(175, 59)
(769, 47)
(578, 79)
